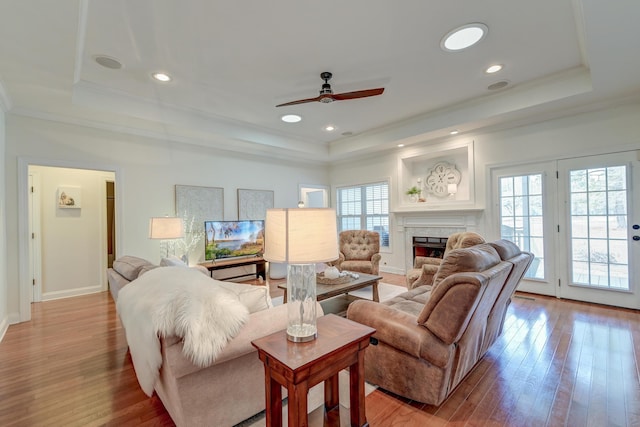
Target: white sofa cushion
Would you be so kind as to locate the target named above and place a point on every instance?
(174, 261)
(254, 297)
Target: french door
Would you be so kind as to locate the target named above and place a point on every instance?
(580, 218)
(598, 224)
(525, 205)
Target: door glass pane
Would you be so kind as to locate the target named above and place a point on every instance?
(598, 222)
(521, 218)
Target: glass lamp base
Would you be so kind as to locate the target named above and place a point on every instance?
(301, 303)
(304, 334)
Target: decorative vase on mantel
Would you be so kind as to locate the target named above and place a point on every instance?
(413, 193)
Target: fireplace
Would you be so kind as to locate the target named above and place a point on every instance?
(429, 246)
(429, 232)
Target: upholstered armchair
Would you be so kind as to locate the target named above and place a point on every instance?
(359, 251)
(424, 268)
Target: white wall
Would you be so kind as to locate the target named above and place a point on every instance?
(4, 314)
(598, 132)
(146, 172)
(148, 169)
(73, 241)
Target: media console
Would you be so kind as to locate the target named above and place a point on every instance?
(221, 264)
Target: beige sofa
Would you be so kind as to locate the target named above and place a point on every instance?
(223, 394)
(431, 337)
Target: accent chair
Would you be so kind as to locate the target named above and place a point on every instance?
(359, 251)
(424, 268)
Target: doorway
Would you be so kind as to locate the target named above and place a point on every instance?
(70, 251)
(579, 217)
(314, 196)
(598, 226)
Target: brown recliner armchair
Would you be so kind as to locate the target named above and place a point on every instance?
(428, 339)
(424, 268)
(359, 251)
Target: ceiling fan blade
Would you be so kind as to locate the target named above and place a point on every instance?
(300, 101)
(358, 94)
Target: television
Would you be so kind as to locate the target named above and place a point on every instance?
(228, 239)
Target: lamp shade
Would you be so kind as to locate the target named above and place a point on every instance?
(301, 236)
(166, 228)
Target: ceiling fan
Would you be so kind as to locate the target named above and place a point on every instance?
(326, 94)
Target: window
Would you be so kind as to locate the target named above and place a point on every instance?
(598, 200)
(521, 219)
(365, 207)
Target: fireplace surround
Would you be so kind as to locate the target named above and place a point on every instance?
(433, 225)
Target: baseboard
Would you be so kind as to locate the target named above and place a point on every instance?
(391, 270)
(48, 296)
(4, 325)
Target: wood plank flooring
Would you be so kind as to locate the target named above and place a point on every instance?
(557, 363)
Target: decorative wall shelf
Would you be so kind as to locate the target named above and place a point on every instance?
(432, 169)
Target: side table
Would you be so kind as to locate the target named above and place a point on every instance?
(341, 344)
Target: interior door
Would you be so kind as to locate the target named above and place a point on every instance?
(599, 224)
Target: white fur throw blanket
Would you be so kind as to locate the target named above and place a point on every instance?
(182, 302)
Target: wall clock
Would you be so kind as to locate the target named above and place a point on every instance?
(440, 176)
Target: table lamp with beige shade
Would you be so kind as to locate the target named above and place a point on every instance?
(301, 238)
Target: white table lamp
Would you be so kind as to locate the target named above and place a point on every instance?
(166, 229)
(301, 238)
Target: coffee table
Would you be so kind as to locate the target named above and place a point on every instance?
(336, 298)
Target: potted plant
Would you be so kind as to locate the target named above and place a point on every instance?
(413, 193)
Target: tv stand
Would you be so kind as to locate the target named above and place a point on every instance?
(221, 264)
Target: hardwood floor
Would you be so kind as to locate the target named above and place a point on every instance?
(557, 363)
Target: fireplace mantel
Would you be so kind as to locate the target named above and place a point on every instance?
(417, 208)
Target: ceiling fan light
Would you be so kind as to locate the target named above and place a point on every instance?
(291, 118)
(463, 37)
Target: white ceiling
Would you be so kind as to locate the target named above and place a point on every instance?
(232, 62)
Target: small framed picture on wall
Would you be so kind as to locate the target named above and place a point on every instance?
(69, 197)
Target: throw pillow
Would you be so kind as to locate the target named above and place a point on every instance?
(254, 297)
(130, 267)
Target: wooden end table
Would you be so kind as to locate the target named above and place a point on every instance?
(299, 366)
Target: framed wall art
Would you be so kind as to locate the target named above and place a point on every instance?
(253, 204)
(202, 203)
(69, 197)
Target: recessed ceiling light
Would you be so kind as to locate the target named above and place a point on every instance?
(463, 37)
(400, 145)
(454, 132)
(498, 85)
(493, 69)
(161, 77)
(329, 128)
(108, 62)
(291, 118)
